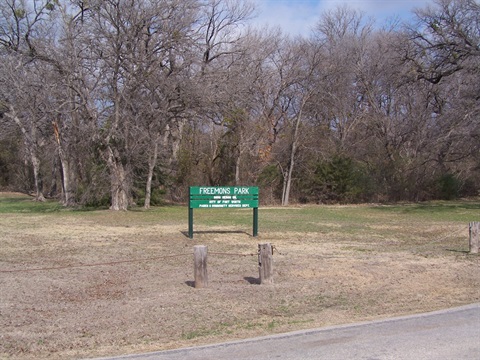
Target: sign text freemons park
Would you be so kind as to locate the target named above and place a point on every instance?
(223, 197)
(210, 197)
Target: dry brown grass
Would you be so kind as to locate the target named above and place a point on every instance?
(74, 310)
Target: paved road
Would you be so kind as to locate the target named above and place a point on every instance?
(452, 334)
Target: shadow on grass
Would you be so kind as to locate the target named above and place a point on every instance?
(185, 233)
(458, 251)
(252, 280)
(28, 205)
(465, 252)
(441, 206)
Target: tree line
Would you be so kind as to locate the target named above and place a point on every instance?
(123, 103)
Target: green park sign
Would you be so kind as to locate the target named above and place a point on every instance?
(217, 197)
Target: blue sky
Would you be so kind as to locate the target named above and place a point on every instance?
(298, 16)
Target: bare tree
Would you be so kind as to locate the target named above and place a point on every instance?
(221, 86)
(445, 39)
(123, 97)
(23, 35)
(344, 34)
(444, 50)
(25, 110)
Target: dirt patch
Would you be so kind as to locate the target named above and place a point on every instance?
(99, 285)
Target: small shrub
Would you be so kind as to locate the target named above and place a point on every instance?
(448, 187)
(340, 179)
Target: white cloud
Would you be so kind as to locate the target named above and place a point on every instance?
(299, 16)
(375, 6)
(293, 17)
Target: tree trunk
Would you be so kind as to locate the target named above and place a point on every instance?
(68, 193)
(119, 186)
(53, 185)
(284, 189)
(152, 161)
(118, 182)
(177, 135)
(287, 184)
(237, 170)
(37, 178)
(29, 140)
(288, 179)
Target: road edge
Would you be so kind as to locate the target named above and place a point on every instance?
(293, 334)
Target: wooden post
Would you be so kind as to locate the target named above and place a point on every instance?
(265, 263)
(200, 266)
(474, 230)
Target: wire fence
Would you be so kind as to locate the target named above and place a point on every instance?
(117, 262)
(95, 264)
(434, 240)
(448, 235)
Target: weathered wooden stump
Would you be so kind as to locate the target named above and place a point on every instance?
(200, 253)
(474, 230)
(265, 263)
